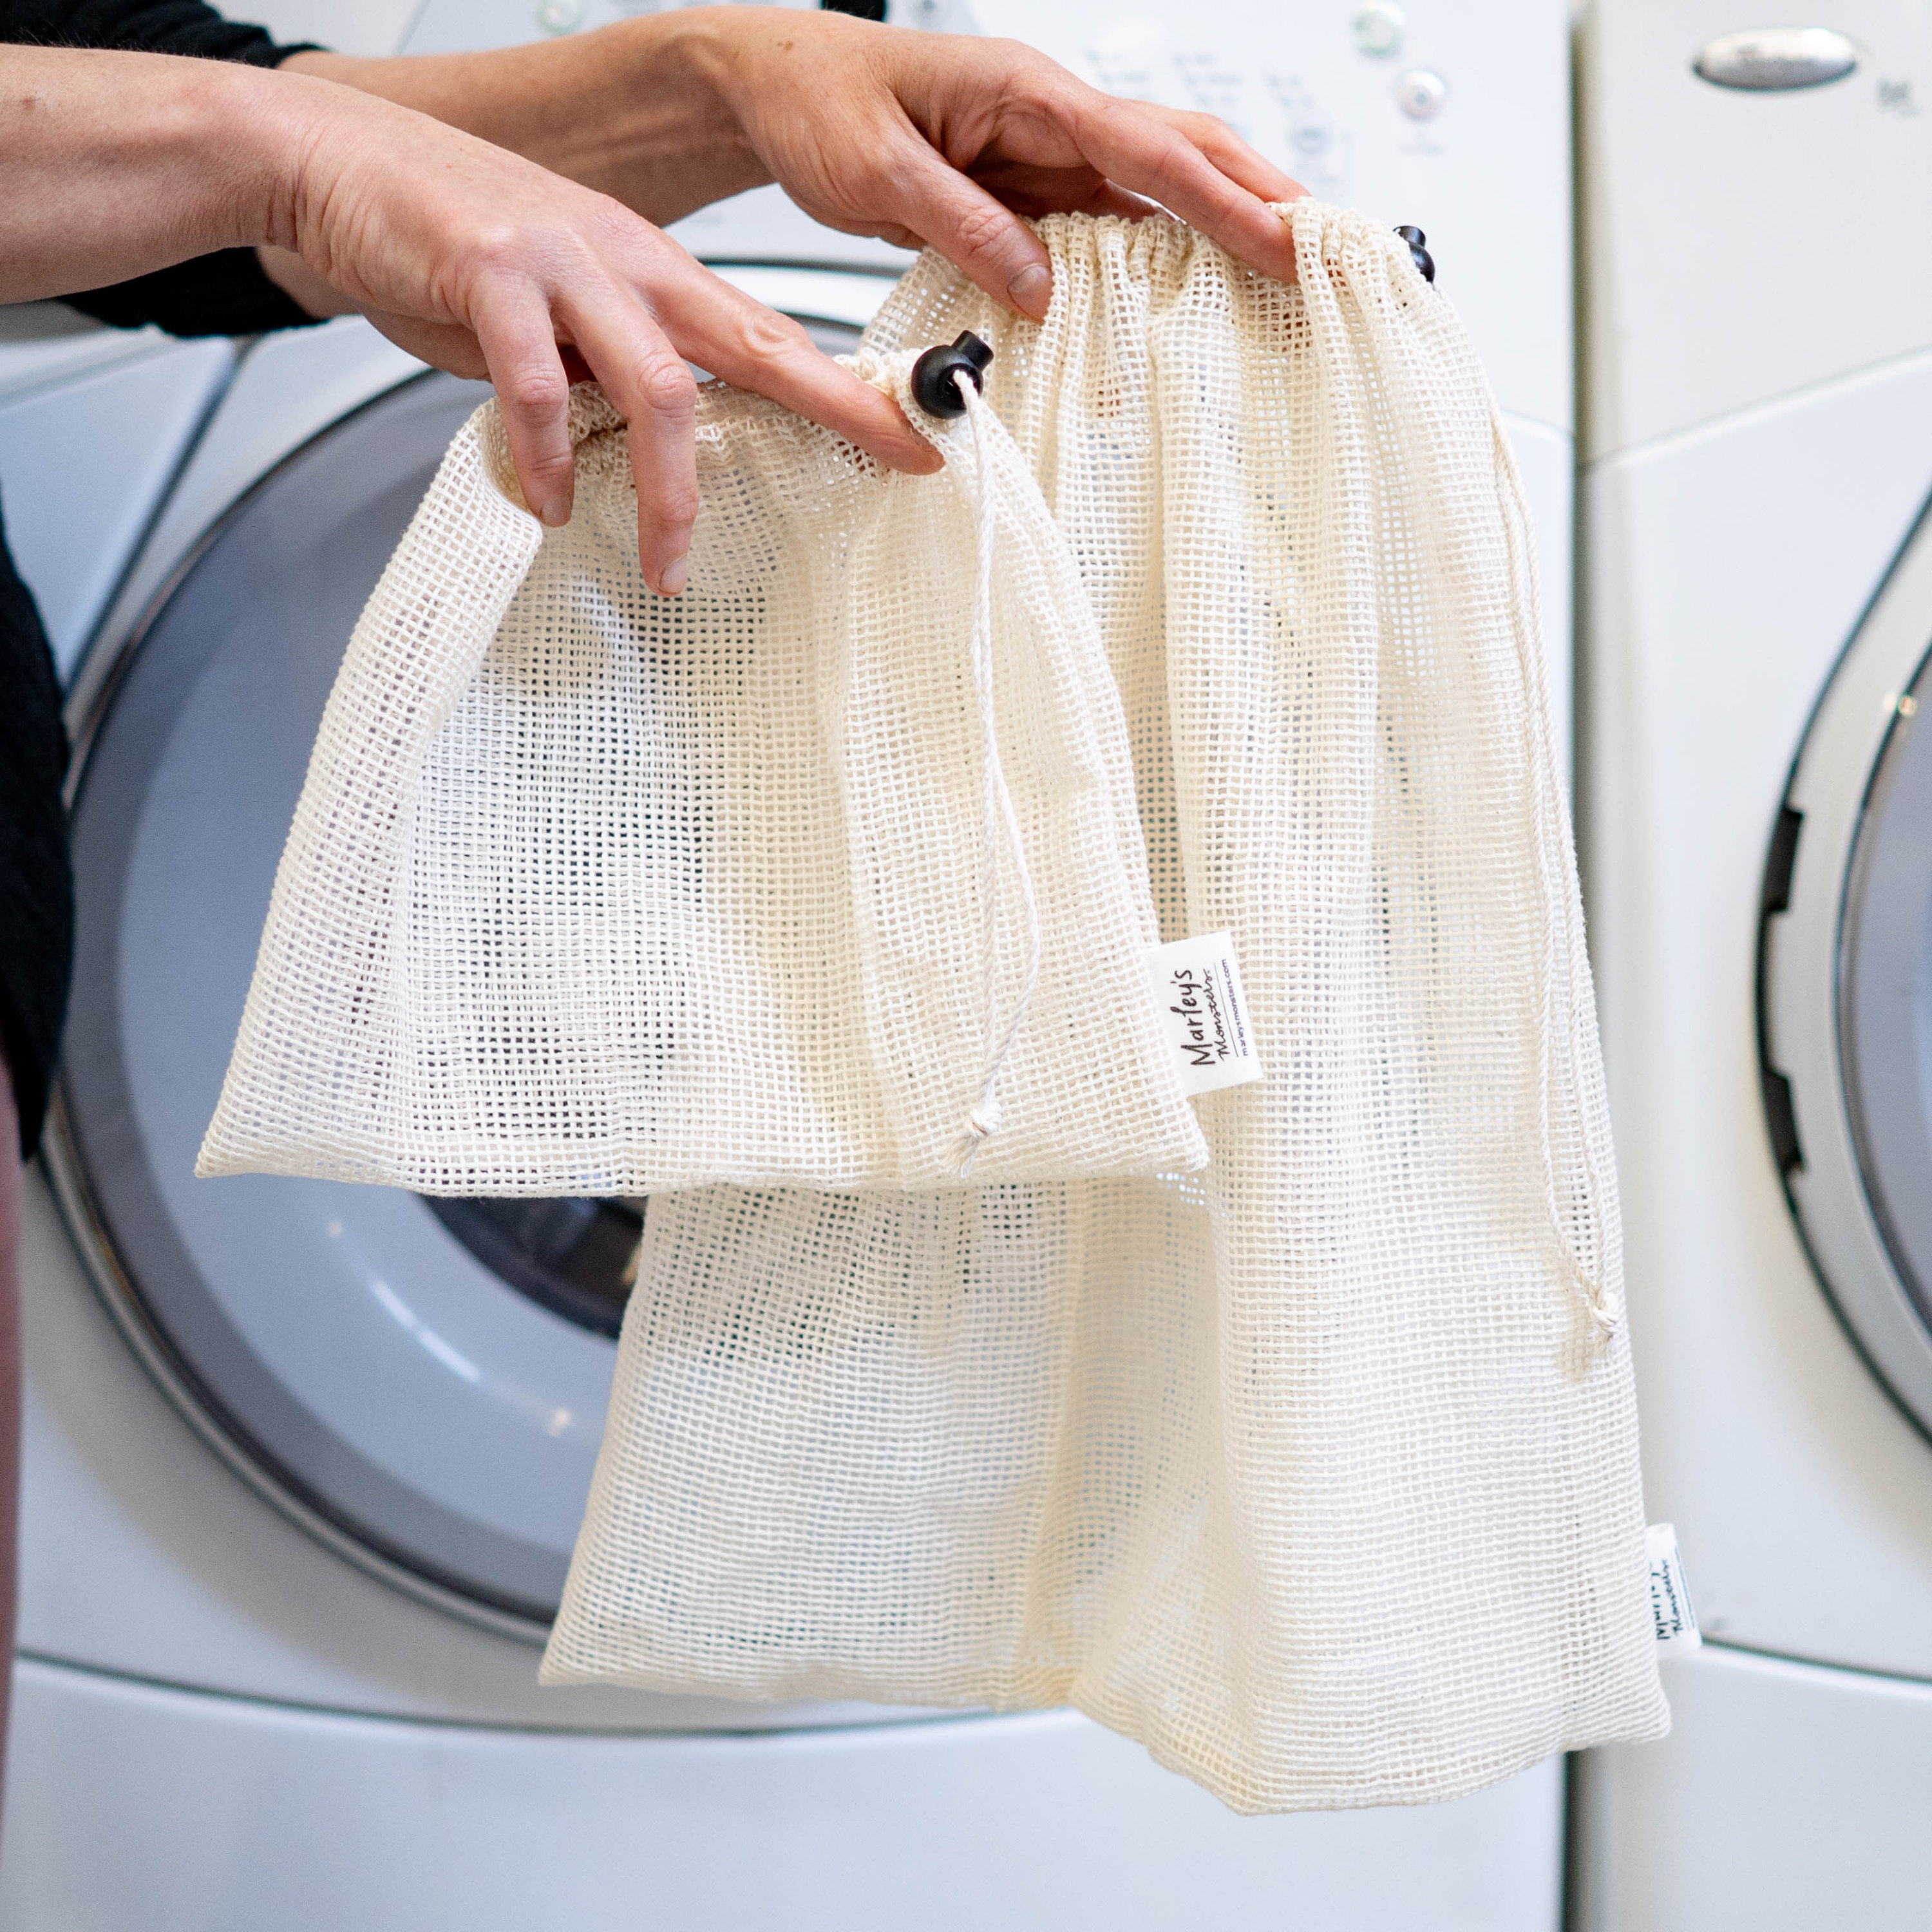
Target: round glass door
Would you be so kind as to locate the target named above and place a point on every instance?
(420, 1383)
(1846, 985)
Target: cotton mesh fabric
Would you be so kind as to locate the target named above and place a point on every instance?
(1316, 1472)
(591, 891)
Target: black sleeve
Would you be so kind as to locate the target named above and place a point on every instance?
(139, 26)
(222, 294)
(36, 890)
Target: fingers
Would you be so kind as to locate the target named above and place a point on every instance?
(755, 349)
(1244, 166)
(661, 415)
(518, 341)
(1146, 153)
(1033, 191)
(978, 236)
(646, 379)
(635, 345)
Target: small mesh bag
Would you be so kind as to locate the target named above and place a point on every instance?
(828, 871)
(1316, 1472)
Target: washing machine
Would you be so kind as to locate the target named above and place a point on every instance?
(303, 1463)
(1757, 790)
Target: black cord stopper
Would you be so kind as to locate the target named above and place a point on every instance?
(933, 387)
(1417, 254)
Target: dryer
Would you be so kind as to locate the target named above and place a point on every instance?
(1758, 842)
(304, 1463)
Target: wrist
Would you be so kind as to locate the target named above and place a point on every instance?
(277, 127)
(639, 110)
(652, 121)
(208, 160)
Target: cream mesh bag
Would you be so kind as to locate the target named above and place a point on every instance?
(1316, 1472)
(828, 871)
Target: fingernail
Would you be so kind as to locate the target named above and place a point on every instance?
(1031, 289)
(555, 512)
(672, 581)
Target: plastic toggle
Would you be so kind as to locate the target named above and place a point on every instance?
(933, 388)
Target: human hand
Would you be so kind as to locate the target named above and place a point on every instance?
(947, 140)
(940, 139)
(484, 263)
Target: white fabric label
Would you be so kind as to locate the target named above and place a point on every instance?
(1197, 997)
(1670, 1596)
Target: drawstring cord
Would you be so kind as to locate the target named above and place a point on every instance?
(1564, 942)
(997, 819)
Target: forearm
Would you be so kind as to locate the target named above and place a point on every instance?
(479, 260)
(117, 164)
(633, 110)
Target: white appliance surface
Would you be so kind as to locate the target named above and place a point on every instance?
(93, 423)
(168, 1812)
(1744, 245)
(1788, 1798)
(278, 1662)
(1757, 411)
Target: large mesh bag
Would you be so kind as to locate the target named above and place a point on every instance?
(1317, 1472)
(827, 871)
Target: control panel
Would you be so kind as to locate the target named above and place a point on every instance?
(1450, 116)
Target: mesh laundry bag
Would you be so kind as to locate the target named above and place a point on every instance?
(1316, 1472)
(829, 871)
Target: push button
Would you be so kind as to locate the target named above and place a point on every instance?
(1379, 29)
(1421, 93)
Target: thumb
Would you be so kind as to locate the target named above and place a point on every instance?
(981, 237)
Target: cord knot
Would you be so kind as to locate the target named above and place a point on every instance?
(982, 1122)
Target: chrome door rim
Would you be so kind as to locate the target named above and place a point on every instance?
(1804, 942)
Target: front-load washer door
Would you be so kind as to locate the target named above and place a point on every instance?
(1845, 969)
(422, 1384)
